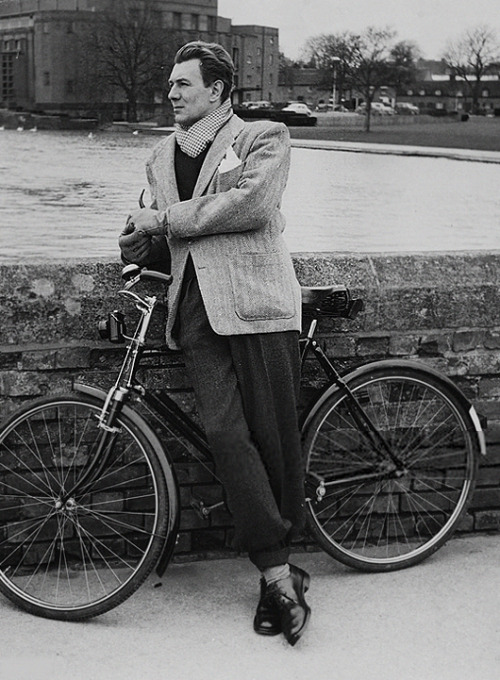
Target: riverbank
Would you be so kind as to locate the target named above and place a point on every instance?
(478, 133)
(438, 135)
(477, 139)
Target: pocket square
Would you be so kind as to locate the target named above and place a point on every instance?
(229, 162)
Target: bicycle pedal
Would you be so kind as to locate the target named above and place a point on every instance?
(199, 506)
(202, 509)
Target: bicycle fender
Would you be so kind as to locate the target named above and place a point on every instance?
(366, 369)
(166, 463)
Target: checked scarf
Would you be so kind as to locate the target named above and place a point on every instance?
(195, 138)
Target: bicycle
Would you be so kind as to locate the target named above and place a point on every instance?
(90, 498)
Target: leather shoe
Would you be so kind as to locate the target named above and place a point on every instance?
(267, 620)
(288, 595)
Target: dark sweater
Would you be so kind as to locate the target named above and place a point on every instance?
(187, 170)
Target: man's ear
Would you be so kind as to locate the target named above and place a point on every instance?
(217, 88)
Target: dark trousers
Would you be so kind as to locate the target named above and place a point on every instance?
(246, 390)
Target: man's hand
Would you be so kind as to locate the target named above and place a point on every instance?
(135, 245)
(146, 220)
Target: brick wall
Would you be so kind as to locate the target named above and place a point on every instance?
(442, 309)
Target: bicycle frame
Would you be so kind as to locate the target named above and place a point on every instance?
(309, 344)
(168, 414)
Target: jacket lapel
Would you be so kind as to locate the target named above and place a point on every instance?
(170, 183)
(224, 139)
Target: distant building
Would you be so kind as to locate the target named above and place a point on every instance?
(438, 91)
(308, 85)
(42, 65)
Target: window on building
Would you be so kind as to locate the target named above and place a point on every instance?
(271, 59)
(212, 24)
(249, 58)
(259, 51)
(236, 57)
(438, 93)
(422, 93)
(7, 82)
(409, 93)
(194, 22)
(177, 20)
(485, 92)
(46, 27)
(70, 28)
(271, 41)
(46, 77)
(270, 79)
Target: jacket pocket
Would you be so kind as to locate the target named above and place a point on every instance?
(229, 179)
(262, 288)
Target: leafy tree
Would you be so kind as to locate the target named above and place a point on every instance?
(404, 56)
(128, 49)
(471, 57)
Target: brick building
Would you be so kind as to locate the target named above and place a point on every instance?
(43, 66)
(438, 91)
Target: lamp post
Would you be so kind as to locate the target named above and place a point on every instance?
(335, 61)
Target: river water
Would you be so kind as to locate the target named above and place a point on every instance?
(66, 194)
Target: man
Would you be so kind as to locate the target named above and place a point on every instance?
(234, 310)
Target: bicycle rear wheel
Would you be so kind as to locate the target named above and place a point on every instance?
(72, 555)
(376, 508)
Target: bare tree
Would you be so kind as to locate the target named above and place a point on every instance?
(334, 55)
(471, 57)
(128, 49)
(372, 64)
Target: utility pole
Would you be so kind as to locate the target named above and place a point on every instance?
(335, 61)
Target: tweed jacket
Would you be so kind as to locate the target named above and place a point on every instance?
(232, 227)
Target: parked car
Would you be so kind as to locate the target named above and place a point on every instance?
(263, 104)
(298, 107)
(377, 109)
(406, 109)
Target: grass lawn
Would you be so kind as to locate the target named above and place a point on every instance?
(476, 133)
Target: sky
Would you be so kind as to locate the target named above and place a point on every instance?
(428, 23)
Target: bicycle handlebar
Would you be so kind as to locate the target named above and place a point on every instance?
(132, 273)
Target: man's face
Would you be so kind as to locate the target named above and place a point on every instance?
(190, 99)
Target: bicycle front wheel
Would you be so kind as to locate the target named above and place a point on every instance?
(68, 550)
(379, 504)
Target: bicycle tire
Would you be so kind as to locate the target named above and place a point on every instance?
(373, 517)
(79, 558)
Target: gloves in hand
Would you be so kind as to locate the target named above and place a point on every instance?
(135, 245)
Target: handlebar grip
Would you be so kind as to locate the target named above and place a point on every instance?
(152, 275)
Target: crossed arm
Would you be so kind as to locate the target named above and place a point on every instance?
(247, 205)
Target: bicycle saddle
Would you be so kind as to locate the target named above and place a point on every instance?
(313, 295)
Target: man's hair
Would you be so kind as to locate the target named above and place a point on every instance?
(215, 63)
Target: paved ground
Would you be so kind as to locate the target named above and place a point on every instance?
(437, 621)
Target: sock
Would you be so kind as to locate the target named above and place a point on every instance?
(273, 574)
